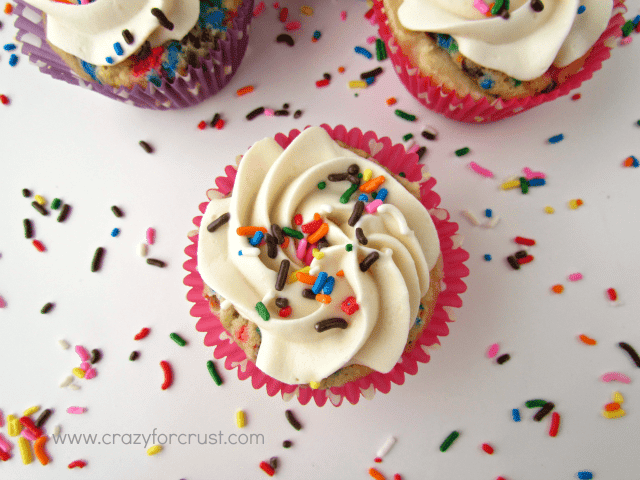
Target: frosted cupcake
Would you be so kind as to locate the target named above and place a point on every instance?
(151, 54)
(323, 266)
(476, 62)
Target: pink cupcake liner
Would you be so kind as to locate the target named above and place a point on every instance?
(197, 85)
(396, 160)
(468, 109)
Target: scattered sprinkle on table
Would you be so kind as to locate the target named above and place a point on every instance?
(449, 440)
(587, 340)
(76, 410)
(462, 151)
(375, 474)
(134, 356)
(154, 450)
(244, 90)
(77, 464)
(293, 421)
(631, 351)
(214, 373)
(555, 424)
(585, 475)
(64, 213)
(268, 469)
(96, 263)
(168, 374)
(156, 263)
(142, 333)
(145, 146)
(178, 339)
(556, 138)
(47, 307)
(404, 115)
(503, 358)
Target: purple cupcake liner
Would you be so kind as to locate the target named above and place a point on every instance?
(195, 86)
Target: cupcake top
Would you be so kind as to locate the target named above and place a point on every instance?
(523, 42)
(351, 268)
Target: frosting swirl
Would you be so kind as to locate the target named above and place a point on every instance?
(271, 187)
(523, 46)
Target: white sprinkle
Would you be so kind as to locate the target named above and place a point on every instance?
(64, 344)
(73, 386)
(66, 382)
(56, 430)
(471, 217)
(384, 449)
(142, 250)
(492, 222)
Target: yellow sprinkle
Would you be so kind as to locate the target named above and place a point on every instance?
(306, 10)
(241, 419)
(25, 450)
(40, 199)
(618, 398)
(314, 385)
(294, 278)
(357, 84)
(154, 450)
(14, 427)
(549, 209)
(510, 184)
(573, 204)
(317, 253)
(366, 175)
(615, 414)
(78, 372)
(30, 411)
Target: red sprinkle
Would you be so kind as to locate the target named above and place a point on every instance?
(525, 241)
(77, 463)
(322, 83)
(397, 477)
(39, 245)
(377, 460)
(612, 294)
(143, 333)
(168, 374)
(576, 96)
(311, 226)
(267, 468)
(292, 26)
(4, 456)
(555, 424)
(285, 312)
(527, 259)
(297, 219)
(202, 125)
(219, 124)
(369, 14)
(349, 305)
(4, 99)
(29, 425)
(259, 9)
(284, 13)
(487, 448)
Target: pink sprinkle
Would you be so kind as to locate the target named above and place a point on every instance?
(574, 277)
(626, 40)
(372, 207)
(482, 171)
(309, 256)
(493, 350)
(276, 5)
(28, 434)
(3, 303)
(84, 366)
(268, 112)
(611, 376)
(371, 39)
(413, 149)
(76, 410)
(343, 15)
(529, 174)
(1, 419)
(82, 353)
(292, 26)
(482, 7)
(259, 9)
(151, 236)
(5, 445)
(302, 248)
(91, 373)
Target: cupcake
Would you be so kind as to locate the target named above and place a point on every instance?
(476, 62)
(133, 51)
(323, 266)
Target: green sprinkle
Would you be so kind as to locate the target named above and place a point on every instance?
(360, 174)
(178, 339)
(496, 7)
(627, 28)
(55, 203)
(535, 403)
(402, 174)
(449, 440)
(516, 82)
(405, 115)
(344, 198)
(262, 310)
(408, 136)
(374, 195)
(292, 233)
(348, 247)
(381, 50)
(322, 185)
(462, 151)
(524, 185)
(214, 373)
(638, 123)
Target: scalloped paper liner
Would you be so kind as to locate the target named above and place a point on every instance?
(197, 85)
(396, 160)
(468, 109)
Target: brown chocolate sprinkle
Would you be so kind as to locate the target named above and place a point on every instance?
(537, 5)
(371, 73)
(281, 113)
(272, 246)
(308, 293)
(503, 358)
(358, 208)
(283, 273)
(277, 232)
(145, 146)
(330, 323)
(117, 211)
(546, 408)
(26, 192)
(513, 262)
(285, 38)
(40, 208)
(631, 351)
(218, 222)
(64, 213)
(353, 179)
(368, 261)
(134, 356)
(156, 263)
(254, 113)
(520, 254)
(214, 120)
(273, 462)
(28, 228)
(43, 417)
(421, 151)
(128, 36)
(337, 177)
(47, 307)
(144, 52)
(96, 263)
(297, 114)
(282, 302)
(428, 135)
(353, 169)
(292, 420)
(322, 243)
(96, 356)
(361, 237)
(287, 444)
(164, 21)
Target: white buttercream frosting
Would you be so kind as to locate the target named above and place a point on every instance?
(523, 46)
(272, 186)
(90, 31)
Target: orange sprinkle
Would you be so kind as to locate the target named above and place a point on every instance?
(372, 184)
(340, 69)
(250, 231)
(488, 14)
(244, 90)
(612, 407)
(391, 101)
(587, 340)
(316, 216)
(8, 9)
(38, 448)
(459, 58)
(323, 298)
(318, 234)
(376, 474)
(306, 278)
(340, 273)
(557, 288)
(285, 244)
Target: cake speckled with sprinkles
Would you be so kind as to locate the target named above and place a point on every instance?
(160, 55)
(325, 263)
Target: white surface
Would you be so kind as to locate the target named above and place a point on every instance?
(63, 141)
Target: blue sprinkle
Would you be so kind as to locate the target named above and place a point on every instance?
(363, 51)
(487, 83)
(328, 287)
(115, 232)
(421, 307)
(635, 162)
(487, 257)
(320, 281)
(556, 138)
(316, 34)
(636, 21)
(488, 213)
(118, 48)
(444, 41)
(13, 60)
(89, 69)
(363, 197)
(240, 252)
(256, 239)
(581, 9)
(515, 414)
(585, 475)
(537, 182)
(370, 80)
(382, 194)
(10, 46)
(109, 60)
